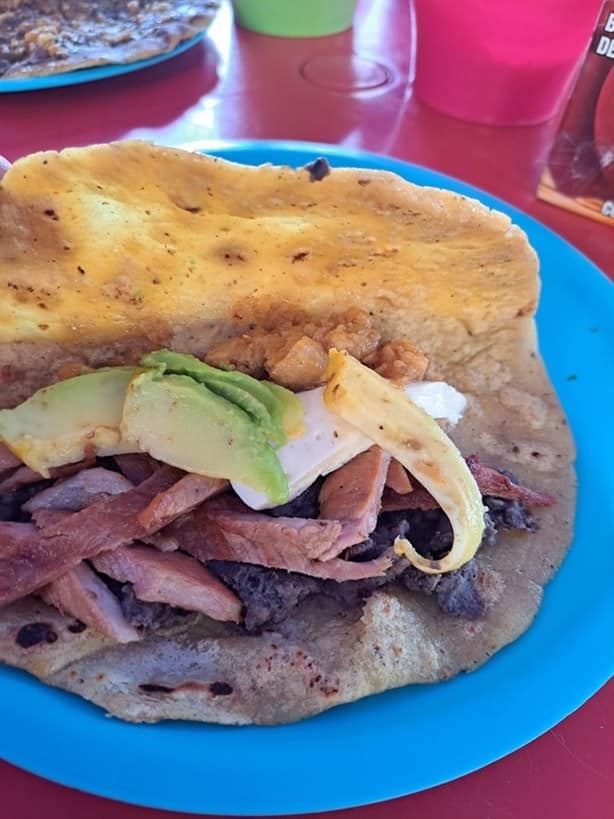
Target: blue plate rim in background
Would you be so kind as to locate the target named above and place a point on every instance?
(92, 73)
(313, 765)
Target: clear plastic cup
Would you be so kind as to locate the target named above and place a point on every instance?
(501, 62)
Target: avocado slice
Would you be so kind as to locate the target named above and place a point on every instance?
(291, 409)
(183, 423)
(257, 411)
(63, 423)
(283, 412)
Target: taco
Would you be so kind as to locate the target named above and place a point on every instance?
(223, 494)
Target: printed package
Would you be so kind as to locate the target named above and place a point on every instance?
(579, 175)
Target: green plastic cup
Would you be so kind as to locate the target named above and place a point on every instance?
(295, 18)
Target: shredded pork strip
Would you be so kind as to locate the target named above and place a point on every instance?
(8, 460)
(182, 497)
(23, 475)
(136, 466)
(213, 532)
(397, 478)
(299, 536)
(490, 482)
(80, 490)
(36, 557)
(49, 517)
(82, 594)
(352, 495)
(493, 482)
(15, 537)
(418, 498)
(171, 578)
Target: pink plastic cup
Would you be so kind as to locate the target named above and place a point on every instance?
(501, 62)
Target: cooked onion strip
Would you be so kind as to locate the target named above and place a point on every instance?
(388, 417)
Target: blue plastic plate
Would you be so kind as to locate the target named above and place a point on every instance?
(315, 765)
(96, 72)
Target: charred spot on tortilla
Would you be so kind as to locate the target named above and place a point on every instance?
(77, 627)
(34, 633)
(232, 254)
(220, 689)
(155, 688)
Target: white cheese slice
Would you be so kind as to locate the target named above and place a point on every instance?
(438, 399)
(329, 441)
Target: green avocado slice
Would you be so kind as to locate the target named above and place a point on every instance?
(283, 412)
(62, 423)
(183, 423)
(291, 409)
(257, 411)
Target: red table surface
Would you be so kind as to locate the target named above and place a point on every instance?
(237, 84)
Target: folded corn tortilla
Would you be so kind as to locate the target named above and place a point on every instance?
(112, 250)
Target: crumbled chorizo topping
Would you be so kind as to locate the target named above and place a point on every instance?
(304, 362)
(244, 353)
(354, 334)
(293, 352)
(399, 360)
